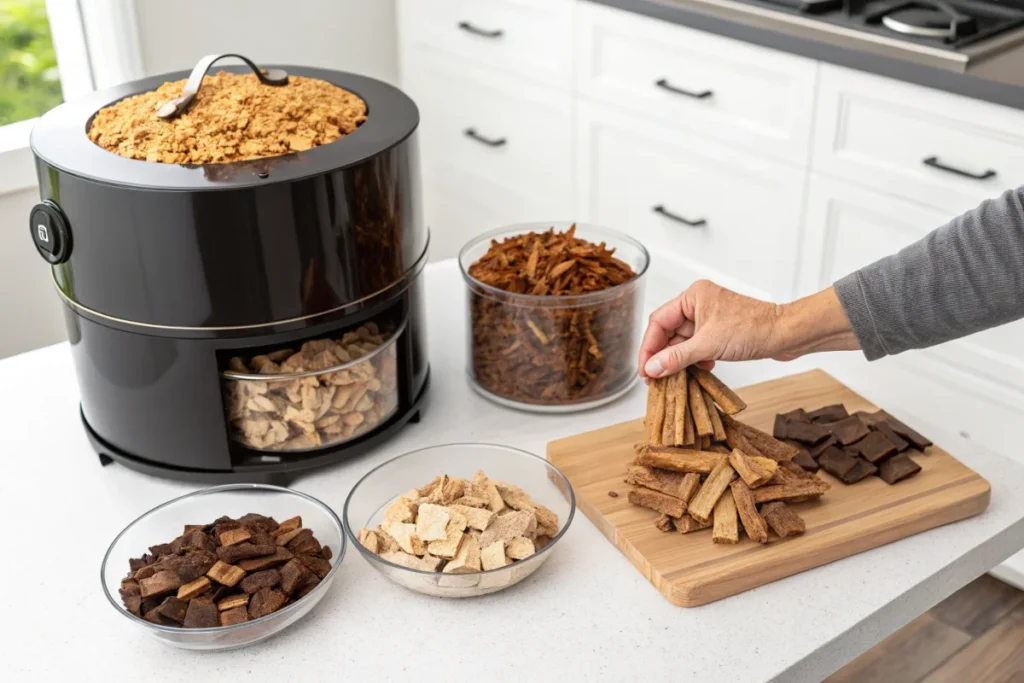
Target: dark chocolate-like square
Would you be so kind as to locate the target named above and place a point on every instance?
(817, 449)
(875, 447)
(861, 470)
(832, 413)
(798, 415)
(804, 432)
(849, 430)
(806, 461)
(916, 440)
(836, 462)
(898, 467)
(898, 441)
(802, 447)
(869, 418)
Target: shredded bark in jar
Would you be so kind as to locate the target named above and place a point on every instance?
(233, 118)
(544, 354)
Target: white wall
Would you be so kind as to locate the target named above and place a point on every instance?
(349, 35)
(30, 314)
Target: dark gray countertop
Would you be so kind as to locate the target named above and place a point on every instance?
(992, 71)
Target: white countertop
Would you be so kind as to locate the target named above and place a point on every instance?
(586, 614)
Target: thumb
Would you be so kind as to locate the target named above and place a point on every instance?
(672, 359)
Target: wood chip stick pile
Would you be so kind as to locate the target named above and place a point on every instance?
(701, 468)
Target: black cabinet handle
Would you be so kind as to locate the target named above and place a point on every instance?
(665, 85)
(661, 210)
(935, 163)
(490, 142)
(469, 28)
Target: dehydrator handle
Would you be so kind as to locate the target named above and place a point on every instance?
(195, 80)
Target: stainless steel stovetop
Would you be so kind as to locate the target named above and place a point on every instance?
(942, 24)
(953, 35)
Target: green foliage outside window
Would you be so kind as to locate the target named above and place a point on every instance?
(29, 82)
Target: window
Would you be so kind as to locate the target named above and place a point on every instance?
(29, 78)
(52, 50)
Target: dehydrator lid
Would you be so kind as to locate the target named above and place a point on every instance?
(60, 139)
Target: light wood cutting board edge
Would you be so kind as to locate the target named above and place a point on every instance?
(708, 582)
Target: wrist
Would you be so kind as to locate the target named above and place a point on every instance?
(814, 323)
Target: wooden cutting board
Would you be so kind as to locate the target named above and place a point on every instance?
(690, 570)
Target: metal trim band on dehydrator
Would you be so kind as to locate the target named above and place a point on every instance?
(390, 292)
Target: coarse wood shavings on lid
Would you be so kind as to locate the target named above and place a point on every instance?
(233, 118)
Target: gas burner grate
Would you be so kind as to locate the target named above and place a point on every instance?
(924, 18)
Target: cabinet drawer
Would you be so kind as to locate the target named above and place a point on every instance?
(717, 212)
(849, 227)
(944, 150)
(748, 96)
(528, 37)
(507, 131)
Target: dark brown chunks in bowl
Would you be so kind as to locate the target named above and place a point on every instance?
(226, 572)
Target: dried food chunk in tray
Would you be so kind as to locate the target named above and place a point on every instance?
(316, 393)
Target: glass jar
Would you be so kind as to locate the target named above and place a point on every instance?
(554, 353)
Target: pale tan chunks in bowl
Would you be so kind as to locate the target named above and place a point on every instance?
(460, 526)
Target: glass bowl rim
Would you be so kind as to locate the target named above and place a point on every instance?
(288, 376)
(224, 488)
(575, 299)
(419, 451)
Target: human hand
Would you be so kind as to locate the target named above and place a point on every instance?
(708, 323)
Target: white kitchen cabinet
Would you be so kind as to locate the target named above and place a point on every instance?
(933, 147)
(848, 227)
(716, 212)
(529, 38)
(461, 205)
(757, 99)
(495, 149)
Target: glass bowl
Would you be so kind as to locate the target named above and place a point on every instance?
(554, 354)
(165, 522)
(541, 480)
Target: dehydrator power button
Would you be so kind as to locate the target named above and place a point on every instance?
(50, 232)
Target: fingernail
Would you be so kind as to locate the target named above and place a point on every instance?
(654, 368)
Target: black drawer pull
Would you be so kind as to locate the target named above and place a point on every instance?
(468, 27)
(490, 142)
(935, 163)
(665, 85)
(661, 210)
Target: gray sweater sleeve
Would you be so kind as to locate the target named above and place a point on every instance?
(964, 277)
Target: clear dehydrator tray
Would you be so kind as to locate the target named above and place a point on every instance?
(320, 393)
